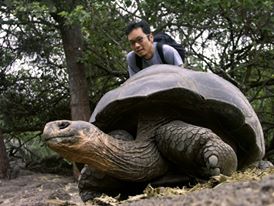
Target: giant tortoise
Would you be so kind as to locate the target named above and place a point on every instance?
(161, 118)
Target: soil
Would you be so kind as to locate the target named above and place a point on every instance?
(38, 189)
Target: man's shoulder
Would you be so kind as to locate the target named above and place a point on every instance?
(169, 49)
(171, 55)
(131, 55)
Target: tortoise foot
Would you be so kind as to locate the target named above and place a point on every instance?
(218, 157)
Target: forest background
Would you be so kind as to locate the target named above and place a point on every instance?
(57, 58)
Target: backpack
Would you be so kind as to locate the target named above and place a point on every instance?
(163, 38)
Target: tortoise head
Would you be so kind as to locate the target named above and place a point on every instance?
(66, 133)
(71, 138)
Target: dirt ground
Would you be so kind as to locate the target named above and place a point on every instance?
(37, 189)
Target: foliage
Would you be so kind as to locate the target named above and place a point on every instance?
(32, 76)
(29, 102)
(27, 146)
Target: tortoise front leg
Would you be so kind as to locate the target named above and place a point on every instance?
(196, 150)
(93, 183)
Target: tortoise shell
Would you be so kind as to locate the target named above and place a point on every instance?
(199, 98)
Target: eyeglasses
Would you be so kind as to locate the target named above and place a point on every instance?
(138, 40)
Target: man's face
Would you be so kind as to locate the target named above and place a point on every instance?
(141, 43)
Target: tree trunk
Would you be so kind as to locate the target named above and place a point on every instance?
(4, 163)
(79, 98)
(73, 47)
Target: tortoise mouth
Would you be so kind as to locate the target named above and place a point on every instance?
(47, 138)
(63, 139)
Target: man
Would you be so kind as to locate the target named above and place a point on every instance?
(141, 42)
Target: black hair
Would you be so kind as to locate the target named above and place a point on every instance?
(141, 24)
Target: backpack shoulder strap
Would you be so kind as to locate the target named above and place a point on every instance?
(161, 53)
(139, 62)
